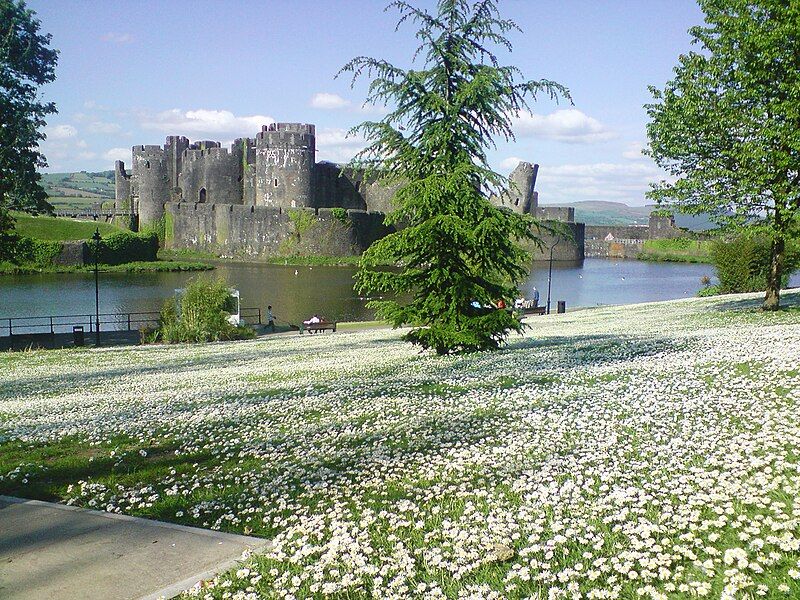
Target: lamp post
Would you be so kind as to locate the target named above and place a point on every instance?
(550, 273)
(96, 238)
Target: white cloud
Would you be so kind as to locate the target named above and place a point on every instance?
(118, 154)
(634, 151)
(61, 132)
(103, 127)
(326, 101)
(373, 109)
(202, 123)
(565, 125)
(510, 163)
(334, 145)
(613, 182)
(117, 38)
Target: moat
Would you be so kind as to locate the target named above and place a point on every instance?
(297, 292)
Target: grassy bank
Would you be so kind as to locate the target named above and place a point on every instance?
(640, 451)
(58, 229)
(9, 268)
(297, 261)
(677, 250)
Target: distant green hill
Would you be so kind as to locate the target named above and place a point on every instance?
(597, 212)
(78, 191)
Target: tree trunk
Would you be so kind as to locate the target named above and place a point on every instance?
(773, 297)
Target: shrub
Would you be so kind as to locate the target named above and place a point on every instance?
(199, 315)
(340, 214)
(39, 252)
(742, 264)
(125, 247)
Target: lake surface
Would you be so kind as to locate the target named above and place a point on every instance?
(298, 292)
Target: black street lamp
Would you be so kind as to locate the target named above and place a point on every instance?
(96, 238)
(550, 273)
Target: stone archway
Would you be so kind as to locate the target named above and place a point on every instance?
(202, 196)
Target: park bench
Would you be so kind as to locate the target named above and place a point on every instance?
(534, 310)
(319, 327)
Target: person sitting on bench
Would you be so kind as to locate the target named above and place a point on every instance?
(313, 320)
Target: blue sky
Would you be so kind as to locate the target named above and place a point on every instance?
(134, 72)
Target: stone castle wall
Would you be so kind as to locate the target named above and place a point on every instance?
(211, 174)
(234, 230)
(627, 241)
(570, 246)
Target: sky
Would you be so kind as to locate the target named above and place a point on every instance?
(133, 72)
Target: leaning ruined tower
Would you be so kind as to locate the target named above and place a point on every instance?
(285, 157)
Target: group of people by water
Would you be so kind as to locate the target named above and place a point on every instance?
(520, 303)
(313, 320)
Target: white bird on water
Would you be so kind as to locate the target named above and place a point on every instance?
(295, 271)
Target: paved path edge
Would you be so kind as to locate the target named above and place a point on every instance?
(253, 543)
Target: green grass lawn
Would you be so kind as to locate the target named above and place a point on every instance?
(56, 229)
(645, 451)
(677, 250)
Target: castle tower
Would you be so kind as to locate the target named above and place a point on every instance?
(520, 196)
(173, 149)
(122, 188)
(152, 183)
(284, 164)
(244, 151)
(523, 180)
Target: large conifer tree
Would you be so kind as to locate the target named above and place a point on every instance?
(453, 248)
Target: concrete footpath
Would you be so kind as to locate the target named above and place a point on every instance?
(62, 552)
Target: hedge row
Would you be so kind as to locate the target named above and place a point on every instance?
(126, 247)
(115, 249)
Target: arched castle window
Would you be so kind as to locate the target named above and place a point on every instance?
(275, 183)
(202, 197)
(147, 164)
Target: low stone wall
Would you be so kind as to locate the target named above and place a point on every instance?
(564, 214)
(620, 248)
(73, 254)
(627, 232)
(234, 230)
(568, 249)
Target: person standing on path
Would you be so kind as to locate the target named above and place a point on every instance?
(270, 318)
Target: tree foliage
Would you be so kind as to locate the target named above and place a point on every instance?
(742, 263)
(453, 246)
(727, 126)
(26, 63)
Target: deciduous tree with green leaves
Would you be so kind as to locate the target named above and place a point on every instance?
(26, 63)
(455, 252)
(727, 126)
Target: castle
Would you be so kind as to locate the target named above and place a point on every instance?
(268, 196)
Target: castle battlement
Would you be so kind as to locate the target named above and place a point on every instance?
(306, 128)
(149, 150)
(192, 154)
